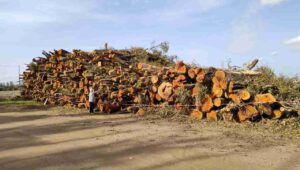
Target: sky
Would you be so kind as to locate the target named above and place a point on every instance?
(207, 32)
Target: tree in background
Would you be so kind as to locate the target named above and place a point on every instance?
(8, 86)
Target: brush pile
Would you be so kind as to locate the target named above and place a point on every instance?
(122, 82)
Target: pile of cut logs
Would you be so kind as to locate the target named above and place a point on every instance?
(121, 82)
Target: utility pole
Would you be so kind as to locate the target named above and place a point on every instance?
(19, 76)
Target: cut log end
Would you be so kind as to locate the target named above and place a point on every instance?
(191, 73)
(217, 91)
(277, 114)
(235, 98)
(212, 116)
(218, 102)
(244, 95)
(196, 114)
(180, 67)
(140, 112)
(265, 98)
(247, 112)
(154, 79)
(207, 104)
(165, 90)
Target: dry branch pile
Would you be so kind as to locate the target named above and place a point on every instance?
(122, 82)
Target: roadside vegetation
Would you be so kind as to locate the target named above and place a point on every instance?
(286, 89)
(19, 102)
(9, 86)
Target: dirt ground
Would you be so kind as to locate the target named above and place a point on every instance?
(9, 94)
(34, 137)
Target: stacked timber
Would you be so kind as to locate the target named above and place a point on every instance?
(64, 78)
(121, 82)
(212, 94)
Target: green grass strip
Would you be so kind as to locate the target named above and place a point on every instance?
(19, 102)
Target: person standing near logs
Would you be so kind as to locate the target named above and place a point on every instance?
(92, 100)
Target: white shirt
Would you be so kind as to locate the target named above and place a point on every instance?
(91, 96)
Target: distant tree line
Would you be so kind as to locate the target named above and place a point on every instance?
(9, 86)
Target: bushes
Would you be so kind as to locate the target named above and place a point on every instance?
(8, 86)
(184, 97)
(283, 87)
(155, 55)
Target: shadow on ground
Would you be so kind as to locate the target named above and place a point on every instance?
(21, 108)
(23, 136)
(90, 142)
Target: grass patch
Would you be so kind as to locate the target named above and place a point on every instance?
(280, 129)
(169, 113)
(19, 102)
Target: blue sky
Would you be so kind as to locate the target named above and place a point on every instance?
(207, 32)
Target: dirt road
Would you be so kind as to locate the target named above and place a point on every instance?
(9, 94)
(37, 138)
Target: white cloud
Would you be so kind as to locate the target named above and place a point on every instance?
(169, 11)
(15, 17)
(293, 41)
(66, 11)
(245, 30)
(274, 53)
(39, 11)
(271, 2)
(243, 39)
